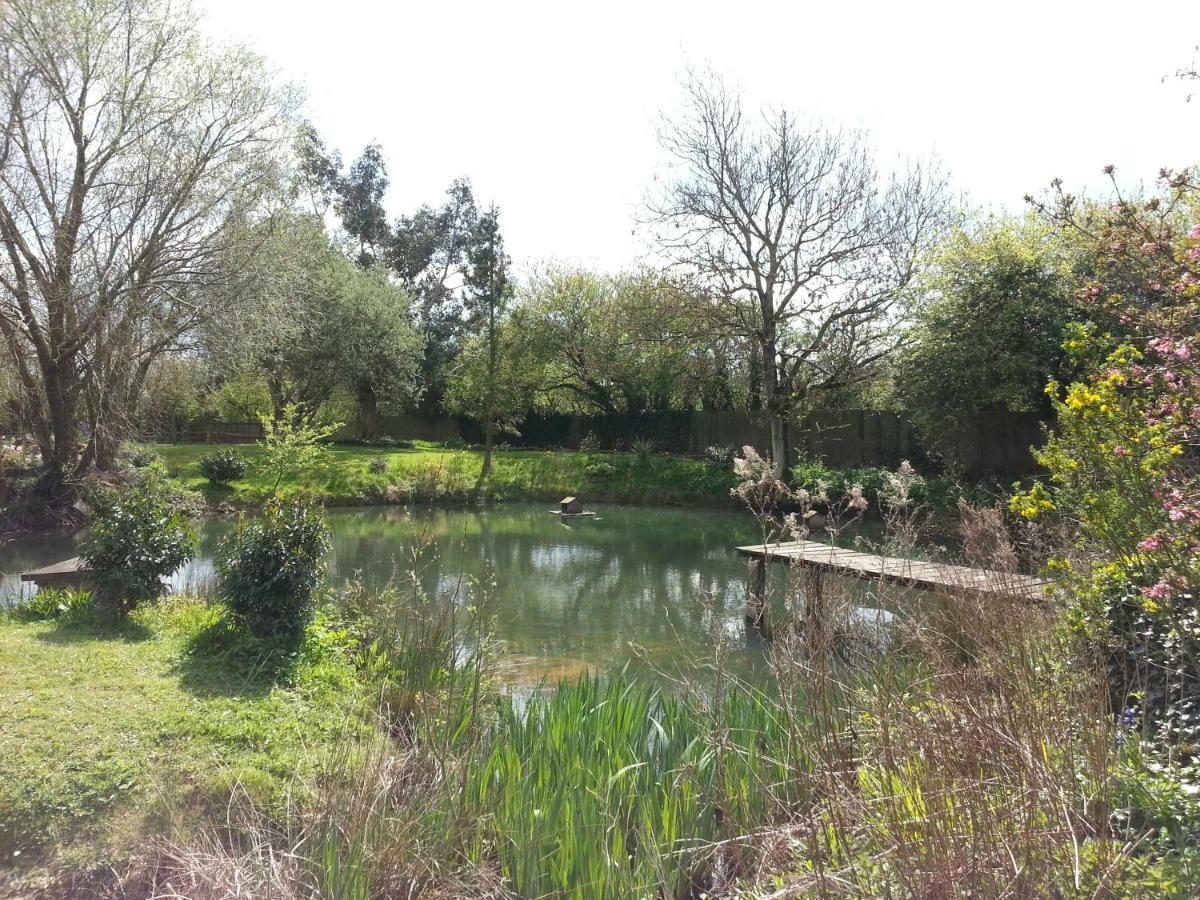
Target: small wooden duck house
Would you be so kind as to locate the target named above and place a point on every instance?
(571, 508)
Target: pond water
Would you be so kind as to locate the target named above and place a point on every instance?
(641, 586)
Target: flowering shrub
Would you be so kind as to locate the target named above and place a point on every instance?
(1123, 460)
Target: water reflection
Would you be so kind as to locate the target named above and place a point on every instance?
(566, 597)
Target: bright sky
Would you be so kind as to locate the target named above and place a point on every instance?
(550, 108)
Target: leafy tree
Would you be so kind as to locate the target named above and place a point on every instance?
(359, 203)
(488, 293)
(293, 447)
(429, 255)
(993, 305)
(801, 246)
(318, 324)
(627, 343)
(128, 147)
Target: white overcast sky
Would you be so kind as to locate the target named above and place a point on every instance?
(550, 108)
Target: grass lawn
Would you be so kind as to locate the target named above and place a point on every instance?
(104, 726)
(430, 472)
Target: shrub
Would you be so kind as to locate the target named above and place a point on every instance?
(223, 466)
(137, 457)
(720, 456)
(600, 470)
(51, 603)
(293, 447)
(136, 539)
(589, 443)
(377, 466)
(268, 568)
(643, 449)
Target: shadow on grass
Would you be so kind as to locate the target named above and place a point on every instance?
(92, 625)
(225, 661)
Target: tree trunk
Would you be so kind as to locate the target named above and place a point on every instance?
(368, 411)
(779, 444)
(489, 437)
(776, 405)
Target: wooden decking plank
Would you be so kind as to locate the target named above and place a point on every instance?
(921, 573)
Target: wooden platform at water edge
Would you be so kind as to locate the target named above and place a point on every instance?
(71, 572)
(825, 558)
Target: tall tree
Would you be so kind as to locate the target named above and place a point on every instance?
(359, 201)
(315, 323)
(429, 255)
(802, 245)
(488, 293)
(995, 301)
(127, 147)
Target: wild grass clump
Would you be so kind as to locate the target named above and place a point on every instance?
(51, 604)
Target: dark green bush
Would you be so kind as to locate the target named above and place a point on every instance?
(268, 568)
(378, 465)
(223, 466)
(136, 539)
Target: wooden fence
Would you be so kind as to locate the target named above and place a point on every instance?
(989, 444)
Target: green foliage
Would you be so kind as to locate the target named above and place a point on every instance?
(989, 332)
(223, 466)
(818, 478)
(430, 471)
(292, 446)
(638, 792)
(643, 449)
(136, 539)
(269, 567)
(50, 604)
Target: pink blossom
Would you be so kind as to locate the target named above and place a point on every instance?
(1150, 544)
(1195, 232)
(1120, 451)
(1160, 591)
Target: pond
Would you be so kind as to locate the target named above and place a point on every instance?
(646, 587)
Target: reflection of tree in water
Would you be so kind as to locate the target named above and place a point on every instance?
(586, 590)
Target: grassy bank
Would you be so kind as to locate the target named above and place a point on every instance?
(110, 729)
(356, 475)
(194, 763)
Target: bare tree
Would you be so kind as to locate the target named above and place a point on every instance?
(801, 244)
(129, 150)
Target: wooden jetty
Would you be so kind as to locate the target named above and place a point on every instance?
(71, 572)
(818, 559)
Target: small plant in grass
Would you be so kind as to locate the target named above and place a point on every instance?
(136, 539)
(720, 456)
(269, 567)
(293, 447)
(589, 443)
(600, 470)
(377, 466)
(223, 466)
(50, 604)
(643, 449)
